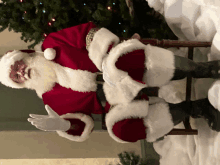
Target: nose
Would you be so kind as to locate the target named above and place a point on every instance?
(21, 69)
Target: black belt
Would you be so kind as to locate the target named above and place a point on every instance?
(100, 93)
(99, 78)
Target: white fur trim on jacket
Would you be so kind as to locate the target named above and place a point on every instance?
(5, 67)
(160, 66)
(135, 109)
(87, 131)
(77, 80)
(159, 121)
(123, 92)
(100, 44)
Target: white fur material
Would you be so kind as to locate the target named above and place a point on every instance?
(125, 88)
(124, 91)
(173, 92)
(98, 48)
(87, 131)
(159, 121)
(160, 66)
(77, 80)
(121, 49)
(135, 109)
(213, 95)
(5, 67)
(50, 53)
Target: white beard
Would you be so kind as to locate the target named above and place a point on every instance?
(43, 76)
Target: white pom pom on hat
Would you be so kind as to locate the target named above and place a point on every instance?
(49, 53)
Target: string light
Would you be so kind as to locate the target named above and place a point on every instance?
(124, 31)
(119, 23)
(49, 23)
(84, 4)
(25, 12)
(22, 17)
(44, 11)
(109, 8)
(45, 34)
(113, 3)
(21, 0)
(40, 3)
(53, 19)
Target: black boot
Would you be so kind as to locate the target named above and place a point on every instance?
(184, 67)
(203, 109)
(178, 112)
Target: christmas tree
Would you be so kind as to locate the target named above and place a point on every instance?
(36, 19)
(130, 158)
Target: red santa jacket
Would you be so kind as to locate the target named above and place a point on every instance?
(70, 46)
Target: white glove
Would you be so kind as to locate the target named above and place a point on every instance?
(50, 122)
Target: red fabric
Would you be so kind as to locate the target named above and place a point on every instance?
(130, 130)
(77, 127)
(110, 47)
(133, 63)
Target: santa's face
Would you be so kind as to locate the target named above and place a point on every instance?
(19, 72)
(33, 71)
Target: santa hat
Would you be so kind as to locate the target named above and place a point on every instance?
(11, 57)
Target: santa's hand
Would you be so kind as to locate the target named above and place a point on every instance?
(50, 122)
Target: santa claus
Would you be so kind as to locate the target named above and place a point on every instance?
(67, 75)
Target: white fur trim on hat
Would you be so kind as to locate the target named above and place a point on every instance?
(135, 109)
(159, 121)
(124, 91)
(87, 131)
(100, 44)
(5, 68)
(160, 66)
(49, 53)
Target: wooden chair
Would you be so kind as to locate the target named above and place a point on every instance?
(167, 44)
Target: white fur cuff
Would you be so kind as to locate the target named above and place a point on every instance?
(160, 66)
(159, 121)
(124, 91)
(87, 131)
(100, 44)
(135, 109)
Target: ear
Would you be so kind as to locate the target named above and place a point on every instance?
(136, 36)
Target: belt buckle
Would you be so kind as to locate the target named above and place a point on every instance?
(99, 82)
